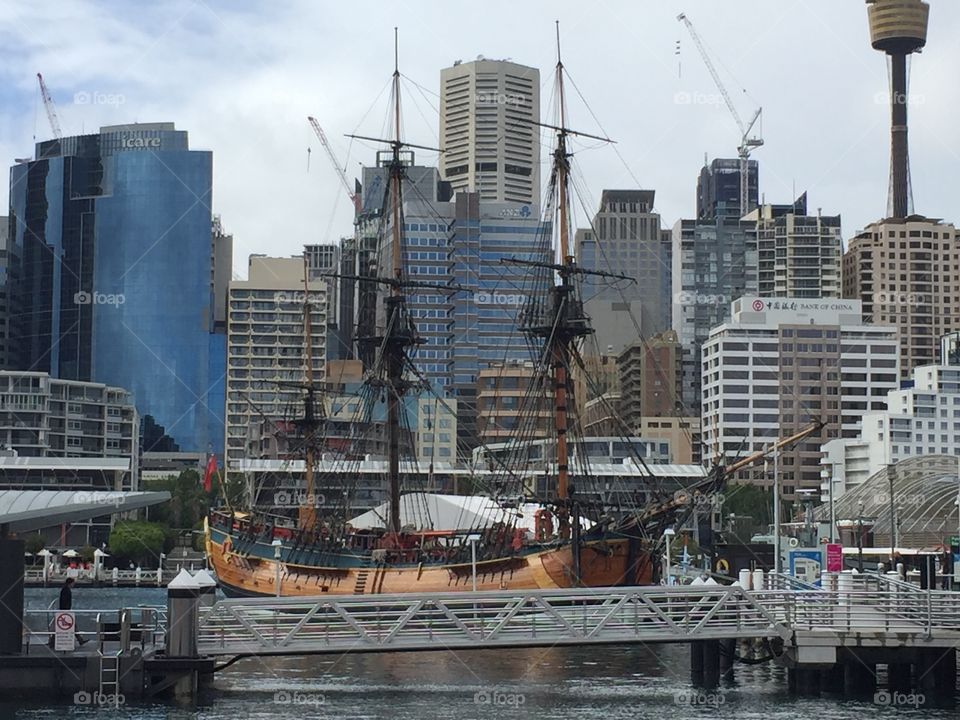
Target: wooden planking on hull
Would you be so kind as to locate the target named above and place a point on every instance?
(603, 564)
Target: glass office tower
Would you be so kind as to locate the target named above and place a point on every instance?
(113, 273)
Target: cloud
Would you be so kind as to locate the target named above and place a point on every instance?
(242, 77)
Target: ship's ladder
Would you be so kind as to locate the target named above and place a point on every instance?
(361, 583)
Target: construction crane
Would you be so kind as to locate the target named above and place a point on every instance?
(50, 107)
(354, 196)
(747, 143)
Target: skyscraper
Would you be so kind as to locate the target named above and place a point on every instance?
(905, 272)
(4, 290)
(780, 364)
(713, 262)
(267, 347)
(625, 239)
(718, 189)
(459, 242)
(488, 132)
(114, 271)
(798, 255)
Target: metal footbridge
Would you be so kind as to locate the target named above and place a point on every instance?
(866, 608)
(494, 619)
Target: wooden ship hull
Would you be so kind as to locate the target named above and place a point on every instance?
(253, 572)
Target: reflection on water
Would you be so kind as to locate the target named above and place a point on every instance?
(609, 683)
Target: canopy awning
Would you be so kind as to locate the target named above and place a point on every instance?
(26, 510)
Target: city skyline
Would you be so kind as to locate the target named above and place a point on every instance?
(269, 86)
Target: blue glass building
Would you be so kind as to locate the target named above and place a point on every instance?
(112, 275)
(461, 242)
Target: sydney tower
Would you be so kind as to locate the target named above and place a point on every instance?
(898, 28)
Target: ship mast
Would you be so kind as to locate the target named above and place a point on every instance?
(560, 347)
(309, 422)
(400, 332)
(561, 324)
(395, 341)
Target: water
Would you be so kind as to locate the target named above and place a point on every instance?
(611, 683)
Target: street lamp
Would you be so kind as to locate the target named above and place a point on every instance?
(277, 547)
(667, 534)
(860, 534)
(776, 512)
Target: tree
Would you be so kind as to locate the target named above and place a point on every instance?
(137, 541)
(188, 503)
(34, 543)
(86, 553)
(753, 508)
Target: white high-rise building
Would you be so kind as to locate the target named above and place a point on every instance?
(781, 364)
(266, 347)
(488, 131)
(921, 420)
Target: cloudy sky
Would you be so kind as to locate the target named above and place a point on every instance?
(242, 76)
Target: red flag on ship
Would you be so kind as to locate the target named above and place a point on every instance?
(208, 475)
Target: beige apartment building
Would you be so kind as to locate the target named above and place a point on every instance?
(266, 347)
(509, 407)
(489, 110)
(906, 273)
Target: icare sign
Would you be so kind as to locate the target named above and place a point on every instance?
(139, 143)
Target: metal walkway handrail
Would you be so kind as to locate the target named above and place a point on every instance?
(483, 619)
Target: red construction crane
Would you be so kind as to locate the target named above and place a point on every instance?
(50, 107)
(354, 196)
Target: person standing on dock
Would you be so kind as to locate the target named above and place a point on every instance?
(66, 595)
(66, 602)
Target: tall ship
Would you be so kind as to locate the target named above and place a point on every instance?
(552, 530)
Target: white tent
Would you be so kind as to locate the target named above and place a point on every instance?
(431, 511)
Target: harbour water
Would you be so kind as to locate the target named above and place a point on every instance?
(609, 683)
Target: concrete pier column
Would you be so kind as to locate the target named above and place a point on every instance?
(947, 672)
(899, 678)
(831, 679)
(804, 680)
(936, 671)
(711, 664)
(11, 593)
(183, 602)
(859, 678)
(696, 663)
(728, 653)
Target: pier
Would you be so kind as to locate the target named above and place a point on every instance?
(831, 639)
